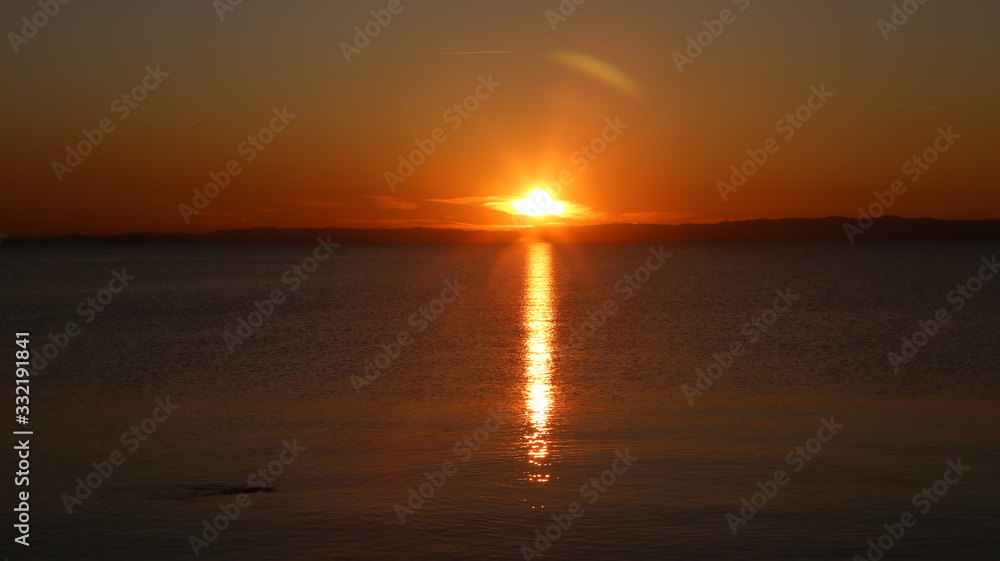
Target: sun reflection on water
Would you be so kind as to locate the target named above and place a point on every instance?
(539, 322)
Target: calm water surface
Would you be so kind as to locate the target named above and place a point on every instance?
(515, 341)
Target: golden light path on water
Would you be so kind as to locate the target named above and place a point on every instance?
(539, 322)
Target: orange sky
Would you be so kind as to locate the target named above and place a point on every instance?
(531, 99)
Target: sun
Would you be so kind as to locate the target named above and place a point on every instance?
(539, 203)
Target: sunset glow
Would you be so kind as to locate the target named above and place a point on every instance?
(539, 203)
(501, 280)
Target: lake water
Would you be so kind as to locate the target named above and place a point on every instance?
(503, 329)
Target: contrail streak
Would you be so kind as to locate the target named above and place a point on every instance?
(913, 107)
(450, 53)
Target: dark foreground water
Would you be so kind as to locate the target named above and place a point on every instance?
(591, 422)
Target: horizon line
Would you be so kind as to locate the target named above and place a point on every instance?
(471, 229)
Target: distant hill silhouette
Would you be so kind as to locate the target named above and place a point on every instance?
(806, 230)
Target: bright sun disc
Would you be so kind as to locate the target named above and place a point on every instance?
(538, 203)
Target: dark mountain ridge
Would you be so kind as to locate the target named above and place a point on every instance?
(802, 230)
